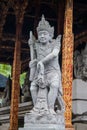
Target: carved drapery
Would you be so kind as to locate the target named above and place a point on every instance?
(67, 62)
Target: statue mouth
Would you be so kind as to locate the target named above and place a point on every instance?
(43, 40)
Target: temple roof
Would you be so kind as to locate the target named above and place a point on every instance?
(32, 14)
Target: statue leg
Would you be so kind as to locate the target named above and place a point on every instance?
(61, 102)
(52, 95)
(34, 91)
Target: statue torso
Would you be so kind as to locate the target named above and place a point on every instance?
(44, 50)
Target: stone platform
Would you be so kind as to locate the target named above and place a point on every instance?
(43, 127)
(70, 129)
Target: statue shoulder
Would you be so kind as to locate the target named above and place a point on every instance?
(56, 44)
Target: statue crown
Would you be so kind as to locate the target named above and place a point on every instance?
(44, 25)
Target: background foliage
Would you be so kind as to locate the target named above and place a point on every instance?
(6, 71)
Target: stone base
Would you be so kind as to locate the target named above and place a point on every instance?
(69, 129)
(43, 127)
(80, 126)
(4, 126)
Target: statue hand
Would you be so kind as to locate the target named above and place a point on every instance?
(32, 63)
(59, 38)
(40, 80)
(30, 42)
(40, 67)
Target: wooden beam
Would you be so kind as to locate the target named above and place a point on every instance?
(9, 48)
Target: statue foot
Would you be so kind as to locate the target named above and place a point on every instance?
(52, 111)
(34, 110)
(60, 111)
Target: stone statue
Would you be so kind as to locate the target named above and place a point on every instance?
(7, 94)
(80, 64)
(79, 89)
(84, 60)
(6, 99)
(25, 89)
(45, 77)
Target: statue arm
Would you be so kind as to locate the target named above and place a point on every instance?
(52, 55)
(55, 51)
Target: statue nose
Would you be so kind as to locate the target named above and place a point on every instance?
(42, 35)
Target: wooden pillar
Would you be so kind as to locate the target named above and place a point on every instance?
(67, 62)
(17, 64)
(15, 81)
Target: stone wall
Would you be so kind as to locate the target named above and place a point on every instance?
(5, 115)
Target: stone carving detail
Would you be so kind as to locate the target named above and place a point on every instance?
(80, 64)
(25, 89)
(6, 98)
(7, 94)
(45, 77)
(84, 56)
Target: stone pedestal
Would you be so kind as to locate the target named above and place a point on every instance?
(4, 126)
(69, 129)
(43, 127)
(80, 126)
(79, 95)
(36, 121)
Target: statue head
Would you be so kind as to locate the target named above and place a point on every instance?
(45, 31)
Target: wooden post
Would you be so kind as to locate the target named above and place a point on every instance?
(17, 65)
(15, 81)
(67, 62)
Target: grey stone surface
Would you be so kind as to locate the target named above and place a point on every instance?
(80, 126)
(4, 126)
(79, 95)
(5, 112)
(79, 103)
(43, 127)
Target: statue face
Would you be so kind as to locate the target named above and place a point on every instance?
(44, 36)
